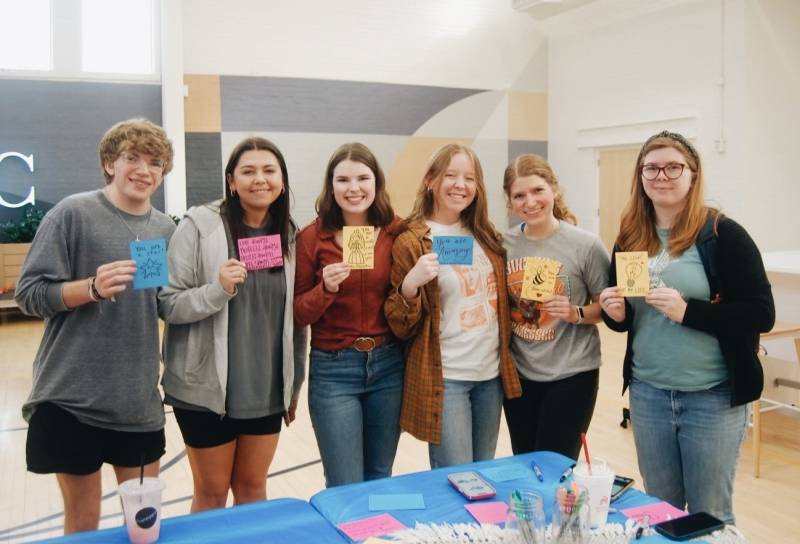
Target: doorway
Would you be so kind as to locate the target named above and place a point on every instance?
(615, 168)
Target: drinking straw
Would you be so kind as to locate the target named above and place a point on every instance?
(586, 452)
(141, 469)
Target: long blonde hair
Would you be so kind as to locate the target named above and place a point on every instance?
(534, 165)
(637, 230)
(475, 216)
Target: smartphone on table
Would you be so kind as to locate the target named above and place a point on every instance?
(621, 485)
(691, 526)
(471, 485)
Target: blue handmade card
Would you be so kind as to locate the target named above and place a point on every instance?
(151, 263)
(398, 501)
(505, 473)
(453, 249)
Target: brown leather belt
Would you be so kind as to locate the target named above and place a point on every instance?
(368, 343)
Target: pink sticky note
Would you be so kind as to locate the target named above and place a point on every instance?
(361, 529)
(260, 252)
(488, 512)
(658, 512)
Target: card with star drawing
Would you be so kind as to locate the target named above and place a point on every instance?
(151, 263)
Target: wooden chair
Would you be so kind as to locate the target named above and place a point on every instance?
(780, 330)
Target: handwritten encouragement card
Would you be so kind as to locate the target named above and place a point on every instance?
(453, 249)
(539, 281)
(358, 245)
(151, 263)
(259, 252)
(361, 529)
(633, 277)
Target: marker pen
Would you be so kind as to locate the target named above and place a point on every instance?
(567, 473)
(537, 470)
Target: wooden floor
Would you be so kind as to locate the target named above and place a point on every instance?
(767, 509)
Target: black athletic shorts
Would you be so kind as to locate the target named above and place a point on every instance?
(204, 429)
(59, 443)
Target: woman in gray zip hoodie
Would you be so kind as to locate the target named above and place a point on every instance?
(234, 362)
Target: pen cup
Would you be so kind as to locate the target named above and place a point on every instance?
(570, 514)
(526, 515)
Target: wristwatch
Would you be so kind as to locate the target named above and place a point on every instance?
(580, 315)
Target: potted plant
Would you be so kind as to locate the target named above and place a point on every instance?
(15, 241)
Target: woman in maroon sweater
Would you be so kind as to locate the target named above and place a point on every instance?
(356, 372)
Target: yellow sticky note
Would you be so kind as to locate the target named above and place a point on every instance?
(539, 280)
(633, 276)
(359, 247)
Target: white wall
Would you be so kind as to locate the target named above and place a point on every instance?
(481, 44)
(476, 44)
(620, 70)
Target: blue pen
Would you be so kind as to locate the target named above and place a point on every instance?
(567, 473)
(537, 471)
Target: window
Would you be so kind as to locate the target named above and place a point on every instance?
(117, 36)
(80, 39)
(25, 35)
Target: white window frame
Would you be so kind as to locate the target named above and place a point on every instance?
(66, 51)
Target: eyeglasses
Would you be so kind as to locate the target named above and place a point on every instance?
(673, 170)
(133, 159)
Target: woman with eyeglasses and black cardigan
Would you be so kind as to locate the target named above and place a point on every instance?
(691, 361)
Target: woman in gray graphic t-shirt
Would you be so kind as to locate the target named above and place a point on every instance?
(555, 273)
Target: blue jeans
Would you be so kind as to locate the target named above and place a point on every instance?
(470, 422)
(688, 444)
(354, 399)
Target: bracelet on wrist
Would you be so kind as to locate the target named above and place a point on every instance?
(90, 291)
(94, 293)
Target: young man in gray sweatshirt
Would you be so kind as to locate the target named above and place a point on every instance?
(95, 392)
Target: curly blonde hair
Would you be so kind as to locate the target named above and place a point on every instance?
(138, 135)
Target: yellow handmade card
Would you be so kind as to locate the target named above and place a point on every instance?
(539, 281)
(359, 247)
(633, 277)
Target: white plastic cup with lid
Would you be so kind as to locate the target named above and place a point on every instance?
(141, 503)
(598, 484)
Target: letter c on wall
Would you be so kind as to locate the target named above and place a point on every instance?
(31, 198)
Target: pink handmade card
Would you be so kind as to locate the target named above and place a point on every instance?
(258, 252)
(494, 512)
(362, 529)
(658, 512)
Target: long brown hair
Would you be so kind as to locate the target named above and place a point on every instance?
(475, 216)
(637, 230)
(535, 165)
(379, 214)
(281, 221)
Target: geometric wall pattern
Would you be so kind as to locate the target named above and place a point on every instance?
(402, 124)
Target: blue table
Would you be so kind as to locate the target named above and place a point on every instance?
(279, 521)
(443, 503)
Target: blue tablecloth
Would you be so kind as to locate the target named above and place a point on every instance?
(443, 503)
(279, 521)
